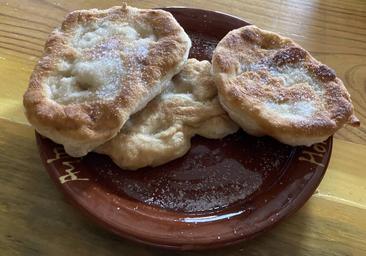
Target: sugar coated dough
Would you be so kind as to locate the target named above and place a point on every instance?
(100, 67)
(271, 86)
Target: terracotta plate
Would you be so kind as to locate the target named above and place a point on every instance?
(221, 192)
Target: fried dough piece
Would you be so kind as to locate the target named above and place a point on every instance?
(100, 67)
(271, 86)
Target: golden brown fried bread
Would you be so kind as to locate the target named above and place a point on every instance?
(162, 131)
(271, 86)
(100, 67)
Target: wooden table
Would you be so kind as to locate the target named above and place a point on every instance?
(34, 218)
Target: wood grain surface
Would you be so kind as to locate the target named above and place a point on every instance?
(34, 218)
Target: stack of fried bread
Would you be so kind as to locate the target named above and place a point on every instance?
(119, 82)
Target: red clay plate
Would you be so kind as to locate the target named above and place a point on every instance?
(221, 192)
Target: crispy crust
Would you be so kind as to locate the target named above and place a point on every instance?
(162, 131)
(271, 86)
(81, 126)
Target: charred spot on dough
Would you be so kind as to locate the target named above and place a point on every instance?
(267, 41)
(290, 55)
(250, 36)
(325, 73)
(354, 121)
(322, 72)
(270, 43)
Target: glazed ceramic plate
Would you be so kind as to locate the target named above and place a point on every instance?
(221, 192)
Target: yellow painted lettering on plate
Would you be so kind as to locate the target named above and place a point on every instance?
(59, 154)
(70, 172)
(315, 154)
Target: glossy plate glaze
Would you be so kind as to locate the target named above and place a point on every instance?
(221, 192)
